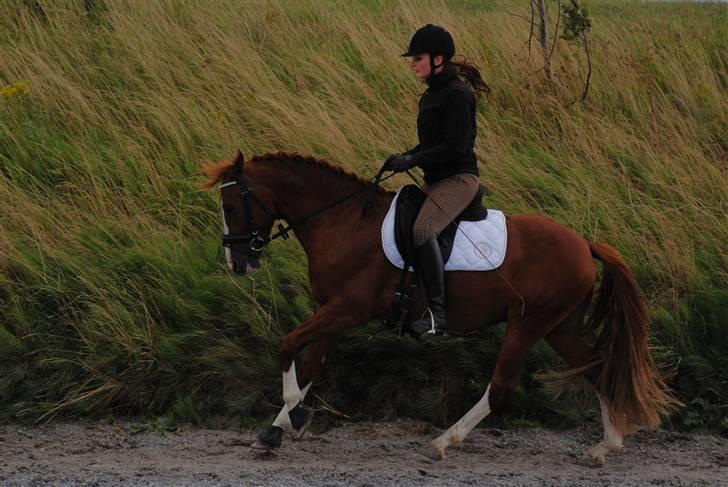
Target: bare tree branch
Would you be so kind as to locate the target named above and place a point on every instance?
(532, 24)
(520, 17)
(585, 38)
(530, 34)
(556, 29)
(540, 5)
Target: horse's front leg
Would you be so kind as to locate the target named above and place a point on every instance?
(271, 436)
(329, 321)
(310, 370)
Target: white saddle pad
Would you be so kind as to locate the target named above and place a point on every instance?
(489, 236)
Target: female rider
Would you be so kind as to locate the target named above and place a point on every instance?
(446, 130)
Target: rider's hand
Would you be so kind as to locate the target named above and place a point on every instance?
(402, 163)
(387, 166)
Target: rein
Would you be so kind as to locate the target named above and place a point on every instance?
(373, 182)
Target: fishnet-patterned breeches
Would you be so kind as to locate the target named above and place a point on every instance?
(446, 199)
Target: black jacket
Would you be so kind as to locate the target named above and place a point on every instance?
(446, 129)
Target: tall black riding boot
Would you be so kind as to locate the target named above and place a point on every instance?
(432, 271)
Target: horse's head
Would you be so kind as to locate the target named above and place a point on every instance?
(247, 218)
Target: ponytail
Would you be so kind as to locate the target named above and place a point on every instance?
(470, 73)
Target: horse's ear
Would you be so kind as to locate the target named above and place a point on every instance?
(239, 159)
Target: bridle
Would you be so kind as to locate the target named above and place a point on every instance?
(255, 240)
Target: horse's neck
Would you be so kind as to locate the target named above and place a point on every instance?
(300, 194)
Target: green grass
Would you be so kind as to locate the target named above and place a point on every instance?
(114, 297)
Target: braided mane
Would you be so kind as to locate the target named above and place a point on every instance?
(215, 172)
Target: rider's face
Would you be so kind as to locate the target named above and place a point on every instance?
(420, 64)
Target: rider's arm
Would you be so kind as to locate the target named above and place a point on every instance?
(413, 150)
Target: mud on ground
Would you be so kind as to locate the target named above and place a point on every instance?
(373, 454)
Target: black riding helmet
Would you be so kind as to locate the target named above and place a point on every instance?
(433, 40)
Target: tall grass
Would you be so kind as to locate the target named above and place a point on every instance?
(113, 292)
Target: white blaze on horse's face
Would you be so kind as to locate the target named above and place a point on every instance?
(226, 227)
(226, 231)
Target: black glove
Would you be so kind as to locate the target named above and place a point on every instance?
(387, 166)
(402, 163)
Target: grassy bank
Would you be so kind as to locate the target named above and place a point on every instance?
(114, 297)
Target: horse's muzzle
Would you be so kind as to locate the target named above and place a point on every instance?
(253, 264)
(245, 266)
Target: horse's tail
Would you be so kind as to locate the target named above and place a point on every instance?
(628, 380)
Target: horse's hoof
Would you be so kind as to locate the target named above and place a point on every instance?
(262, 446)
(300, 417)
(269, 438)
(432, 452)
(596, 457)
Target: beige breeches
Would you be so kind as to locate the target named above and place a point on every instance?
(446, 199)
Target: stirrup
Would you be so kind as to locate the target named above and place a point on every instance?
(433, 331)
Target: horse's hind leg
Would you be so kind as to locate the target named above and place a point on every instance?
(612, 441)
(270, 437)
(521, 335)
(567, 341)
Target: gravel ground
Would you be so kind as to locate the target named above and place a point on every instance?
(354, 454)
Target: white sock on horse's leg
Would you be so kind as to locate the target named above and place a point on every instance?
(282, 420)
(457, 432)
(291, 393)
(612, 438)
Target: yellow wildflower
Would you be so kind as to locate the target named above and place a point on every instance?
(15, 89)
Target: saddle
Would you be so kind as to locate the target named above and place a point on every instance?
(410, 200)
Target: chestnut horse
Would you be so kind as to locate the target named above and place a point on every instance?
(547, 265)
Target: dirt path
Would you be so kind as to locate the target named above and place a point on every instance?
(356, 454)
